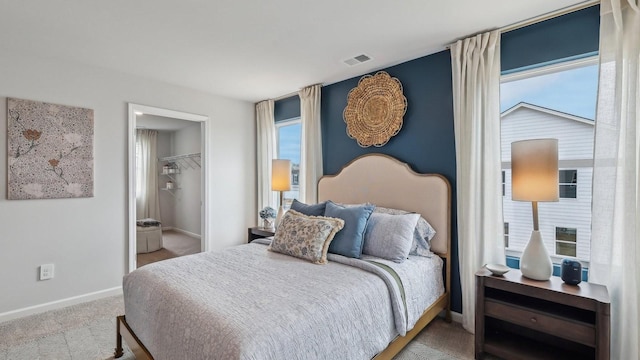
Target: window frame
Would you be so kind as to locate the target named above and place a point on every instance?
(560, 184)
(506, 235)
(284, 123)
(574, 242)
(545, 69)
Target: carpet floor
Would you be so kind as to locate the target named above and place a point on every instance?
(174, 244)
(87, 331)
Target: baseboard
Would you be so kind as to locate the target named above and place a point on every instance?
(58, 304)
(167, 228)
(456, 316)
(188, 233)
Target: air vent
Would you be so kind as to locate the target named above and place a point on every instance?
(357, 60)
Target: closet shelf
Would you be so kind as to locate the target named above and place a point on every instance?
(190, 161)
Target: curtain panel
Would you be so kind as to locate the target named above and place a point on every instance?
(311, 143)
(476, 100)
(615, 234)
(266, 151)
(147, 199)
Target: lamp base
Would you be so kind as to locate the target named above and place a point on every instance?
(279, 217)
(535, 263)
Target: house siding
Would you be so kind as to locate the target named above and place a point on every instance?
(575, 142)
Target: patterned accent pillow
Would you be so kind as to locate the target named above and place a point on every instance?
(305, 237)
(422, 234)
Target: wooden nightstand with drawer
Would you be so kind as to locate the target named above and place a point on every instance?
(519, 318)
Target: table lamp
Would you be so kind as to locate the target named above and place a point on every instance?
(534, 177)
(280, 181)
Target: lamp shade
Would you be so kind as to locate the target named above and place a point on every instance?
(280, 175)
(534, 170)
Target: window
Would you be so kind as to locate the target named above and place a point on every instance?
(568, 183)
(566, 241)
(288, 139)
(506, 235)
(555, 101)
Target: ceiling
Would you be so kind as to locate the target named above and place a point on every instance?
(249, 49)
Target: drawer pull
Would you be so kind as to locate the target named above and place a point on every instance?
(534, 320)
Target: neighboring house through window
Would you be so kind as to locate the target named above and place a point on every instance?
(557, 101)
(288, 140)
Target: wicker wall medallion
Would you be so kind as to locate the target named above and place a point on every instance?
(375, 109)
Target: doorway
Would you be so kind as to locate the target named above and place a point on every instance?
(178, 176)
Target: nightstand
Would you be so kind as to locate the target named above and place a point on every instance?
(259, 232)
(519, 318)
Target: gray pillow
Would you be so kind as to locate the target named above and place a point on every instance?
(422, 234)
(390, 236)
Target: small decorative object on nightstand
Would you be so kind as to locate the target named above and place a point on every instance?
(267, 215)
(259, 232)
(519, 318)
(571, 271)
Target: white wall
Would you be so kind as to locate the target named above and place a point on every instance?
(86, 239)
(187, 199)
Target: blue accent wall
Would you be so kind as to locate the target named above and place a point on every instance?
(571, 35)
(426, 141)
(287, 108)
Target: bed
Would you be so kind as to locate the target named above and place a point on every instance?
(249, 303)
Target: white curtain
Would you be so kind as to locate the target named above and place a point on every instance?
(311, 144)
(147, 201)
(615, 235)
(266, 151)
(476, 100)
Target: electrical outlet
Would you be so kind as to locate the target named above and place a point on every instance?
(46, 271)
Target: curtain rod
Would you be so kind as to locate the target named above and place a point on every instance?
(541, 18)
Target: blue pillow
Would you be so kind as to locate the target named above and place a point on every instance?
(348, 241)
(309, 210)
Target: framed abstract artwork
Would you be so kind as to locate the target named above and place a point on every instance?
(50, 150)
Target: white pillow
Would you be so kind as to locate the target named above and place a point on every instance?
(390, 236)
(422, 234)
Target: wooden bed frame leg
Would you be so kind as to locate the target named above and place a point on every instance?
(118, 350)
(447, 313)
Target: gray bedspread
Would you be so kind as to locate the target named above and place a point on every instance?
(249, 303)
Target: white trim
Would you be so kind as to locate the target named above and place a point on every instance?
(455, 316)
(58, 304)
(547, 111)
(188, 233)
(205, 149)
(550, 69)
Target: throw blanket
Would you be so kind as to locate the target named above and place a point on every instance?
(248, 303)
(147, 222)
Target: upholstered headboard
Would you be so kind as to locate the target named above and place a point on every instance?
(384, 181)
